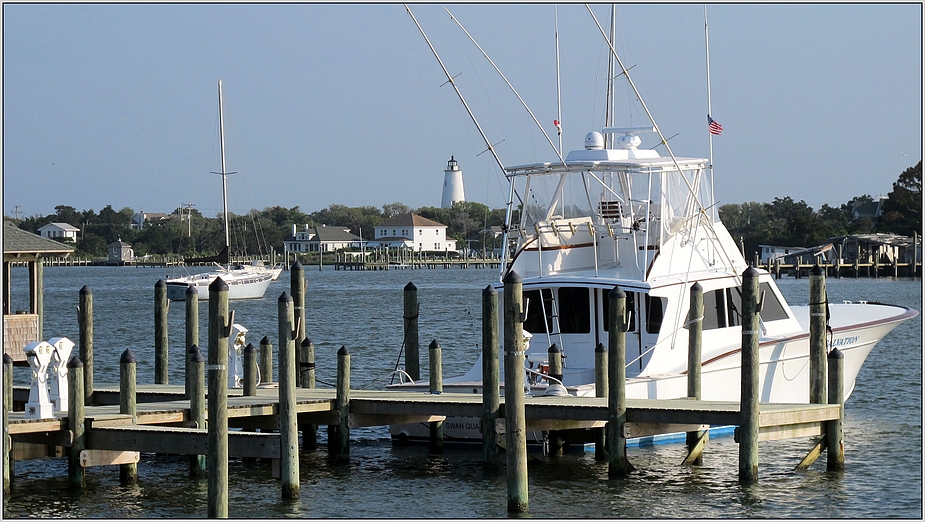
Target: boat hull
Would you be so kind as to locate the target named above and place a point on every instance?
(240, 286)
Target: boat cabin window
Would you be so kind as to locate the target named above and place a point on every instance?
(573, 307)
(722, 308)
(772, 309)
(655, 312)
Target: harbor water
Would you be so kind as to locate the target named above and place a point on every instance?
(363, 311)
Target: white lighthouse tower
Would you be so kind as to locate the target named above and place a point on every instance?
(452, 184)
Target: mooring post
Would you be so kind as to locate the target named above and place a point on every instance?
(515, 424)
(160, 332)
(217, 458)
(695, 439)
(601, 385)
(491, 378)
(266, 360)
(192, 329)
(197, 407)
(307, 379)
(436, 387)
(288, 417)
(85, 321)
(7, 408)
(618, 465)
(817, 351)
(554, 356)
(250, 370)
(412, 356)
(297, 289)
(128, 473)
(339, 438)
(75, 422)
(747, 432)
(834, 430)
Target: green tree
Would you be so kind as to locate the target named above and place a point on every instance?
(902, 211)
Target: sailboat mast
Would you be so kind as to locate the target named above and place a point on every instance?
(608, 114)
(221, 131)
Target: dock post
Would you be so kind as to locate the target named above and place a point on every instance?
(339, 439)
(491, 387)
(161, 305)
(266, 359)
(817, 323)
(600, 390)
(75, 422)
(411, 309)
(288, 418)
(250, 370)
(297, 290)
(217, 458)
(618, 465)
(696, 440)
(128, 473)
(307, 380)
(834, 430)
(7, 408)
(747, 433)
(197, 406)
(192, 329)
(515, 424)
(554, 356)
(85, 321)
(436, 387)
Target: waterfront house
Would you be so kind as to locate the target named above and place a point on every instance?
(60, 231)
(320, 239)
(120, 252)
(773, 252)
(413, 232)
(140, 219)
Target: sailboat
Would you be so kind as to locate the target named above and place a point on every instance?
(244, 281)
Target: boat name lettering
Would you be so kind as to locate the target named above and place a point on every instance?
(844, 341)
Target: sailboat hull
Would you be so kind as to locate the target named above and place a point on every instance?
(242, 284)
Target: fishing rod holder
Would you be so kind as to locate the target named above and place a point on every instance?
(39, 355)
(57, 392)
(236, 356)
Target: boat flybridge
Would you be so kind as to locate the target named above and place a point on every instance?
(626, 216)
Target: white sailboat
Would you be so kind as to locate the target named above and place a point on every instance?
(618, 215)
(244, 281)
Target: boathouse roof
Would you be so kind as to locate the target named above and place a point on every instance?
(21, 245)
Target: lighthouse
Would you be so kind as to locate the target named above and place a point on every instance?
(452, 184)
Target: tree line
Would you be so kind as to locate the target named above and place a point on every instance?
(783, 222)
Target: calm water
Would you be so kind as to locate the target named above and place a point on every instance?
(363, 311)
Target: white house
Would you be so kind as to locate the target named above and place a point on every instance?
(320, 239)
(60, 230)
(772, 252)
(140, 218)
(413, 232)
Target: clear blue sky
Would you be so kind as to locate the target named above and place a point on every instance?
(117, 104)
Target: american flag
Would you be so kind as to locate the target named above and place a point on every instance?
(715, 127)
(558, 125)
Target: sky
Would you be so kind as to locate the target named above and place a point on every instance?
(117, 104)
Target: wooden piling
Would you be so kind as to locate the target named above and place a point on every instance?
(491, 387)
(556, 444)
(339, 438)
(288, 418)
(835, 429)
(515, 431)
(128, 473)
(695, 439)
(748, 425)
(436, 387)
(600, 390)
(85, 321)
(75, 422)
(297, 290)
(266, 360)
(411, 308)
(160, 332)
(197, 408)
(817, 322)
(217, 458)
(192, 329)
(7, 408)
(618, 465)
(250, 370)
(307, 380)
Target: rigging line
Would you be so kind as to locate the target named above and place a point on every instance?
(503, 77)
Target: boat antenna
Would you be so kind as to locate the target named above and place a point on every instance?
(538, 124)
(221, 131)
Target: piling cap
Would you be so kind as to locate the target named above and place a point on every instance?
(296, 266)
(250, 348)
(816, 270)
(410, 287)
(85, 290)
(160, 284)
(489, 290)
(513, 277)
(434, 345)
(600, 348)
(835, 354)
(265, 340)
(218, 285)
(554, 348)
(616, 293)
(75, 362)
(751, 272)
(283, 297)
(127, 357)
(306, 342)
(697, 287)
(343, 351)
(191, 290)
(193, 349)
(197, 357)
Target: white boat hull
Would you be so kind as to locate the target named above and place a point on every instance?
(242, 284)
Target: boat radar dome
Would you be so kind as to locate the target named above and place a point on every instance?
(594, 141)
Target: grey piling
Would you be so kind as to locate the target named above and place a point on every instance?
(307, 380)
(297, 290)
(266, 360)
(160, 332)
(834, 430)
(128, 473)
(817, 351)
(85, 321)
(554, 356)
(75, 422)
(618, 465)
(412, 355)
(600, 390)
(491, 387)
(7, 408)
(339, 439)
(197, 408)
(250, 370)
(217, 458)
(288, 417)
(747, 433)
(515, 432)
(192, 328)
(695, 439)
(436, 387)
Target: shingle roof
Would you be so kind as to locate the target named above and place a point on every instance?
(18, 241)
(410, 220)
(334, 234)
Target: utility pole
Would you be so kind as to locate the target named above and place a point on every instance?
(189, 217)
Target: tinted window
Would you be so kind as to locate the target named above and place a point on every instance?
(772, 309)
(574, 310)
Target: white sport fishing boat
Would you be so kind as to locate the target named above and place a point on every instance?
(244, 281)
(624, 216)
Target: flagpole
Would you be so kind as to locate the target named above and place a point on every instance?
(706, 32)
(558, 85)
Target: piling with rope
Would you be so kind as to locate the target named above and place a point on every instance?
(192, 330)
(515, 425)
(436, 388)
(618, 464)
(85, 339)
(197, 407)
(696, 440)
(601, 385)
(817, 323)
(76, 474)
(288, 418)
(411, 309)
(161, 305)
(491, 386)
(220, 321)
(747, 432)
(128, 473)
